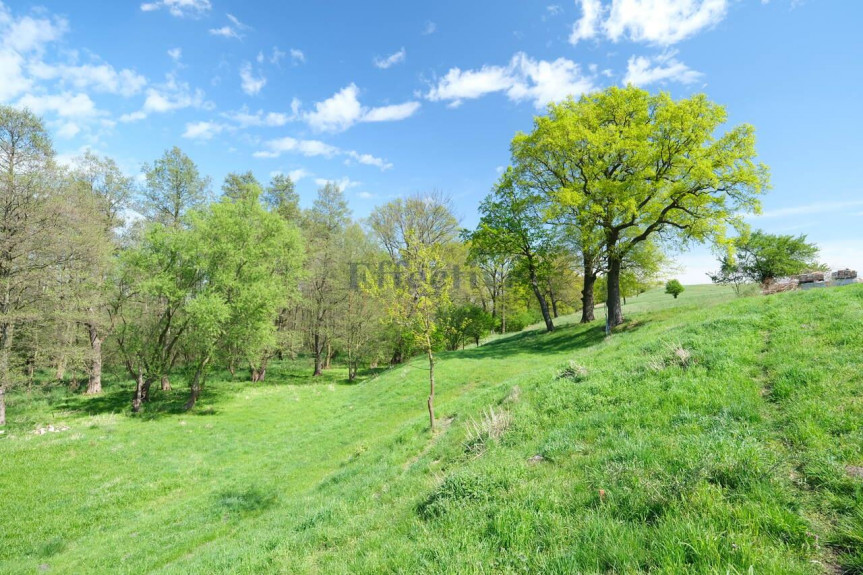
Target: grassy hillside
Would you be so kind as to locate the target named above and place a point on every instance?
(709, 435)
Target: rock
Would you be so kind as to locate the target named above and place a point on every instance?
(854, 471)
(536, 459)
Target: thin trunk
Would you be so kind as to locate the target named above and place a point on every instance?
(318, 353)
(431, 385)
(6, 330)
(197, 384)
(552, 299)
(587, 303)
(94, 381)
(329, 356)
(543, 304)
(140, 391)
(615, 312)
(165, 383)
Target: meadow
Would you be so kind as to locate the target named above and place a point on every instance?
(708, 434)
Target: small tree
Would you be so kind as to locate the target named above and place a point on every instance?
(413, 298)
(764, 257)
(729, 274)
(674, 288)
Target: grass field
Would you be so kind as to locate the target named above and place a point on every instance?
(711, 434)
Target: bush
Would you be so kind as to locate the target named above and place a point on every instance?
(521, 320)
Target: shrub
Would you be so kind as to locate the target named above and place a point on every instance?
(674, 288)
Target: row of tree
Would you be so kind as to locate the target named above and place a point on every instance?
(160, 280)
(163, 280)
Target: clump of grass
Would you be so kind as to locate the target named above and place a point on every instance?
(674, 354)
(489, 427)
(573, 371)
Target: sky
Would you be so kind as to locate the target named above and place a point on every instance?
(393, 98)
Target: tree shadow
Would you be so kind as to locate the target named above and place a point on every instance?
(538, 341)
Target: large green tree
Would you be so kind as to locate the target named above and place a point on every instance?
(512, 224)
(629, 167)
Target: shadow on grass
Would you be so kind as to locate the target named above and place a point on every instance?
(538, 341)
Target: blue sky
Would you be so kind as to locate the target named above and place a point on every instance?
(393, 98)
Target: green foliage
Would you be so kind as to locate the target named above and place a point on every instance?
(761, 257)
(621, 167)
(173, 188)
(674, 288)
(465, 323)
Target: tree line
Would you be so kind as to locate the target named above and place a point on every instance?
(164, 280)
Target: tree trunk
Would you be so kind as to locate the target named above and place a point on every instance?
(587, 303)
(318, 352)
(615, 312)
(431, 388)
(329, 356)
(165, 383)
(197, 383)
(543, 304)
(60, 372)
(142, 390)
(6, 330)
(553, 300)
(262, 375)
(94, 379)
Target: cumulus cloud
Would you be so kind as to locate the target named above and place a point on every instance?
(391, 60)
(179, 8)
(343, 110)
(245, 119)
(251, 83)
(662, 22)
(202, 130)
(642, 71)
(308, 148)
(522, 79)
(167, 97)
(587, 26)
(297, 56)
(315, 148)
(98, 77)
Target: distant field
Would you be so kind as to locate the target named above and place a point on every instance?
(711, 434)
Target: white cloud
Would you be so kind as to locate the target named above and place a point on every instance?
(309, 148)
(815, 208)
(179, 8)
(246, 119)
(391, 60)
(99, 77)
(392, 113)
(298, 174)
(251, 84)
(231, 31)
(344, 183)
(12, 72)
(368, 160)
(553, 10)
(312, 148)
(430, 28)
(225, 32)
(524, 78)
(587, 26)
(167, 97)
(343, 110)
(642, 71)
(365, 195)
(175, 54)
(64, 105)
(297, 56)
(662, 22)
(202, 130)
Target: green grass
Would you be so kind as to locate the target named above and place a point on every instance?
(710, 434)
